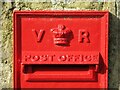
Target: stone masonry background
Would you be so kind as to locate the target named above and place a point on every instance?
(6, 33)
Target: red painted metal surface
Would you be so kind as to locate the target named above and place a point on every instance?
(60, 49)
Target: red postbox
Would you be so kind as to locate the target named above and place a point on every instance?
(61, 49)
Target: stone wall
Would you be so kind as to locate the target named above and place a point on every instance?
(118, 15)
(6, 33)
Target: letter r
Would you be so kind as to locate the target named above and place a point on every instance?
(83, 36)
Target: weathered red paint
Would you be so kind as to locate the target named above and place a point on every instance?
(60, 49)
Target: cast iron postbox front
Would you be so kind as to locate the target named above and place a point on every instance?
(60, 49)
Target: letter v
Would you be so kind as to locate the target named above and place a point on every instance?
(38, 35)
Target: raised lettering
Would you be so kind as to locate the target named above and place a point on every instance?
(83, 36)
(87, 58)
(62, 58)
(69, 57)
(51, 57)
(77, 58)
(43, 57)
(35, 58)
(95, 57)
(38, 35)
(27, 57)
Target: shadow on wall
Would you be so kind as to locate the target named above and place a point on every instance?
(113, 51)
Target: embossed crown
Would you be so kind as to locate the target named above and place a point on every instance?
(61, 35)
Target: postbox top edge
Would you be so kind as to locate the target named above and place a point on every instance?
(68, 12)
